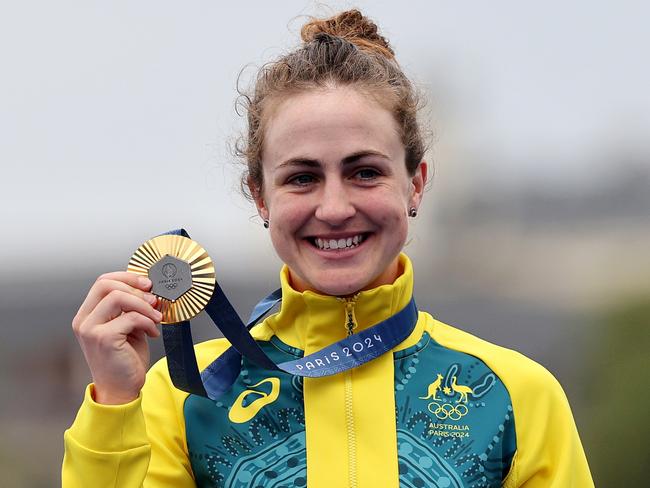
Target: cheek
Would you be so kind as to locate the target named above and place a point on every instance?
(388, 208)
(397, 216)
(389, 213)
(288, 211)
(287, 218)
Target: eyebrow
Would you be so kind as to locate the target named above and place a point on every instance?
(313, 163)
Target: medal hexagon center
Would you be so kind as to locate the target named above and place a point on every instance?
(171, 278)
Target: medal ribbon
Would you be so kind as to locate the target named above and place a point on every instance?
(220, 375)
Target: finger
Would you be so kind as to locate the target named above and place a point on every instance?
(133, 323)
(118, 302)
(100, 289)
(133, 279)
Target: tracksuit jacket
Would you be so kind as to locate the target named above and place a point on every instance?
(443, 409)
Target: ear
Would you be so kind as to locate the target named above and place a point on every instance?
(258, 198)
(418, 183)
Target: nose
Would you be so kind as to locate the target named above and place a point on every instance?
(335, 206)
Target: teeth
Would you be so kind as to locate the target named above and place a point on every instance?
(349, 242)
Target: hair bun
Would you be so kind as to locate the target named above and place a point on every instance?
(352, 26)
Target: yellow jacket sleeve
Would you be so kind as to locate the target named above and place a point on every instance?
(139, 444)
(549, 452)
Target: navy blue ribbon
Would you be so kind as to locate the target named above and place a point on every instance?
(220, 375)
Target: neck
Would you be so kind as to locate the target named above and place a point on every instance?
(388, 276)
(310, 321)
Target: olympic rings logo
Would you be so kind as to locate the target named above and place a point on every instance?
(447, 410)
(171, 286)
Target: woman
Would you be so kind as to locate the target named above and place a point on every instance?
(335, 167)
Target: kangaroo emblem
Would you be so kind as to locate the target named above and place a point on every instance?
(463, 390)
(433, 389)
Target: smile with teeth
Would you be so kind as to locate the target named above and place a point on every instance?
(334, 244)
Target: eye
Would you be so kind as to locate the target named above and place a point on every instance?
(367, 174)
(302, 179)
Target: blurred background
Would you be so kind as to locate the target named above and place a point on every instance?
(534, 234)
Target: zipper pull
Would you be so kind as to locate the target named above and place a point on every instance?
(350, 320)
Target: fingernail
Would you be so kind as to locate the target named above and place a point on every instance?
(159, 314)
(144, 282)
(150, 298)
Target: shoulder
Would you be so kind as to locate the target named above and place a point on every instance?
(159, 395)
(161, 400)
(521, 375)
(206, 352)
(547, 442)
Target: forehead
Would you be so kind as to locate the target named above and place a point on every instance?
(329, 124)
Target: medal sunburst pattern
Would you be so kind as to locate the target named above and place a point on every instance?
(192, 302)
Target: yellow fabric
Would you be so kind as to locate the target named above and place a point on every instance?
(143, 443)
(344, 449)
(140, 444)
(104, 440)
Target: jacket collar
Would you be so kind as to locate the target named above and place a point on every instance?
(310, 321)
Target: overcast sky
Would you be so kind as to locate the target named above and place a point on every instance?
(114, 115)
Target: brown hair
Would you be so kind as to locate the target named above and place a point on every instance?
(342, 50)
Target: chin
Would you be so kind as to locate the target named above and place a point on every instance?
(339, 289)
(334, 285)
(344, 281)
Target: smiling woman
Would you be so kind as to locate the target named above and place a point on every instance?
(381, 395)
(337, 192)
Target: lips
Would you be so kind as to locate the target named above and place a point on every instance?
(338, 243)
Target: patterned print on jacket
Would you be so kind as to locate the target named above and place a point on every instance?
(454, 419)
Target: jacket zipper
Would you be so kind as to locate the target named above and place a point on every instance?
(350, 325)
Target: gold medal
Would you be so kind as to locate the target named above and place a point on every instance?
(182, 274)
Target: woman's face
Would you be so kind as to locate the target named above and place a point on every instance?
(336, 190)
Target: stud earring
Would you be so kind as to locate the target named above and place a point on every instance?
(413, 212)
(266, 223)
